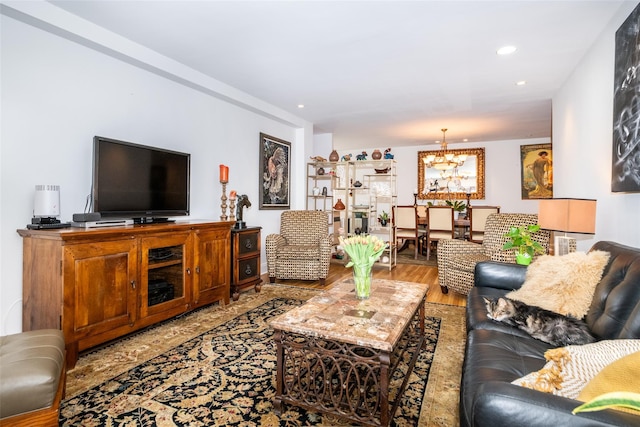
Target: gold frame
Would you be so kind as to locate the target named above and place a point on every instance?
(447, 195)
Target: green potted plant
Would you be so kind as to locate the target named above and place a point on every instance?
(384, 218)
(520, 240)
(457, 205)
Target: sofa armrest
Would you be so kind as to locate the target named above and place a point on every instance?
(507, 404)
(499, 275)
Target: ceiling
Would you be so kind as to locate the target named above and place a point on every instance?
(377, 73)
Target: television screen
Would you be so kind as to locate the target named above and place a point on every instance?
(137, 181)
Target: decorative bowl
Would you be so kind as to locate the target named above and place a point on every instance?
(385, 170)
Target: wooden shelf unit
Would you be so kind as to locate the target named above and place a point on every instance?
(375, 193)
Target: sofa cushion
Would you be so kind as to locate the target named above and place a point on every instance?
(476, 313)
(494, 356)
(615, 309)
(620, 375)
(569, 369)
(563, 284)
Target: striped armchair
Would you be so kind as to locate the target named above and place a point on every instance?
(302, 250)
(457, 259)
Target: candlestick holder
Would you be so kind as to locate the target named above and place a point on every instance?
(415, 199)
(232, 208)
(223, 205)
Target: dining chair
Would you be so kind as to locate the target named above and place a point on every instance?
(405, 219)
(440, 225)
(477, 216)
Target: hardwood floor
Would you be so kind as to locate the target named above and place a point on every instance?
(403, 272)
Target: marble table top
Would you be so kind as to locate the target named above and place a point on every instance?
(337, 314)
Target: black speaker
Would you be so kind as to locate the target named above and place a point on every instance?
(85, 217)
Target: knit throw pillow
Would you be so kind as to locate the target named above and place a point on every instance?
(563, 284)
(569, 369)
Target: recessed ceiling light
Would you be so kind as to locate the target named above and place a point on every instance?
(521, 83)
(506, 50)
(300, 105)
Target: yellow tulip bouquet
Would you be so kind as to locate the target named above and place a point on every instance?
(363, 251)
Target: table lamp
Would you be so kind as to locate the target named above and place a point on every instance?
(567, 216)
(46, 204)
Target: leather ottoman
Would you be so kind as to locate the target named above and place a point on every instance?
(32, 369)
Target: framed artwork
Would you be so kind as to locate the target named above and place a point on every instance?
(465, 181)
(625, 161)
(275, 170)
(536, 163)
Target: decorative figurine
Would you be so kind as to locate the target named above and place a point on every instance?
(318, 158)
(387, 154)
(362, 156)
(346, 157)
(243, 201)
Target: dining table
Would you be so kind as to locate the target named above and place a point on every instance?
(461, 224)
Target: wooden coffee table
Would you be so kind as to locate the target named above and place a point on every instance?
(338, 354)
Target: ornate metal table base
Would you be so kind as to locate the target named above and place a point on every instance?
(354, 382)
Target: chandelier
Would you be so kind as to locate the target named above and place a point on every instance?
(444, 160)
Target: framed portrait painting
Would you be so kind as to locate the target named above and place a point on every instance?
(625, 161)
(275, 170)
(536, 163)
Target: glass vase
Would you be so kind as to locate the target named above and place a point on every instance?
(362, 280)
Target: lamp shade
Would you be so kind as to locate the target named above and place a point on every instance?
(568, 215)
(46, 201)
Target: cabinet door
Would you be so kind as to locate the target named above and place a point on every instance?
(165, 274)
(212, 267)
(100, 288)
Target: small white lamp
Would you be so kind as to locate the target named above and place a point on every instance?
(46, 202)
(567, 216)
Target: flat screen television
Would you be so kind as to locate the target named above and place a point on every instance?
(145, 183)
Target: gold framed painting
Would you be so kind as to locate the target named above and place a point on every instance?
(536, 163)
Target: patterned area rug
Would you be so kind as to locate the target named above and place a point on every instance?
(216, 366)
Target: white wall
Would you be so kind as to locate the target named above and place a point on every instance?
(57, 94)
(582, 142)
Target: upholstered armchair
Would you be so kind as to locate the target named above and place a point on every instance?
(457, 259)
(302, 250)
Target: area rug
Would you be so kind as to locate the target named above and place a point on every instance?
(406, 256)
(216, 366)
